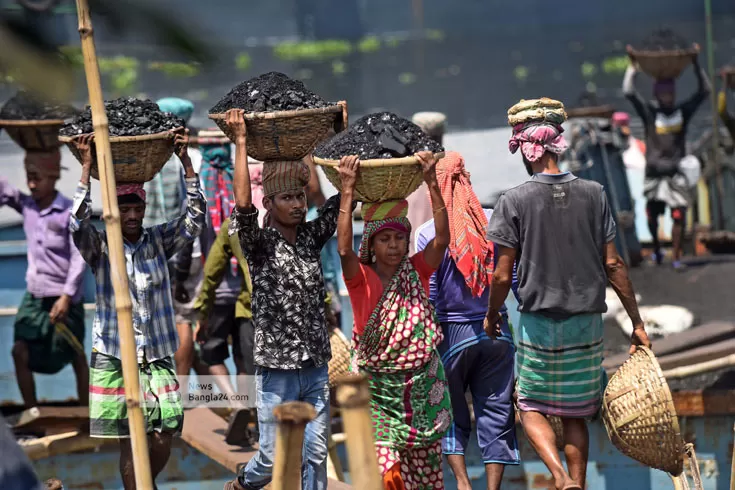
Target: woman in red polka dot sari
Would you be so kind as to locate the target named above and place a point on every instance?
(395, 334)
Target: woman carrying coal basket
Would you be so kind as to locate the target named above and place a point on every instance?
(395, 336)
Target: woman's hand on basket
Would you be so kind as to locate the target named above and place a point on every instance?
(235, 120)
(428, 164)
(181, 144)
(639, 337)
(348, 168)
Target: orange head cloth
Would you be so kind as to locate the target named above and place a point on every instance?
(468, 246)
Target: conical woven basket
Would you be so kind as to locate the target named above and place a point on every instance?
(340, 363)
(380, 180)
(285, 135)
(135, 159)
(664, 64)
(34, 135)
(639, 414)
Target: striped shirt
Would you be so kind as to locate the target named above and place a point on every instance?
(148, 277)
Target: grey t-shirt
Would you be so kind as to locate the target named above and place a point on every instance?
(559, 224)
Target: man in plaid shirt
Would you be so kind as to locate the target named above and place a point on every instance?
(147, 251)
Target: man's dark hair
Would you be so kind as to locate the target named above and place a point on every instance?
(130, 199)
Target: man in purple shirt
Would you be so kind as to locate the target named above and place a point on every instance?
(49, 326)
(459, 291)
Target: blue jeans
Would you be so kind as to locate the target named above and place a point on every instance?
(276, 386)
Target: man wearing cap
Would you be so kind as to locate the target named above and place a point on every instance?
(292, 346)
(49, 325)
(665, 124)
(147, 252)
(561, 230)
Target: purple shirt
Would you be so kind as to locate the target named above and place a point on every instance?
(55, 266)
(452, 299)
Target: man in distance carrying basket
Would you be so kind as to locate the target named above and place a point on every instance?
(292, 348)
(147, 252)
(665, 124)
(49, 326)
(561, 230)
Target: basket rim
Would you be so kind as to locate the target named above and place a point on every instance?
(31, 122)
(253, 116)
(667, 395)
(128, 139)
(377, 162)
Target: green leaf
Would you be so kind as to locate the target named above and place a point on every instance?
(312, 50)
(589, 70)
(520, 73)
(406, 78)
(369, 44)
(174, 69)
(339, 67)
(243, 61)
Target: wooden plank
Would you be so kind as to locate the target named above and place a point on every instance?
(45, 418)
(701, 403)
(693, 356)
(702, 335)
(205, 431)
(70, 442)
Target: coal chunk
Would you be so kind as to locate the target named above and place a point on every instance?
(26, 106)
(665, 40)
(126, 116)
(378, 135)
(270, 92)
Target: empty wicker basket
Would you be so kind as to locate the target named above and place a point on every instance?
(285, 135)
(136, 159)
(664, 64)
(639, 414)
(340, 363)
(34, 135)
(380, 180)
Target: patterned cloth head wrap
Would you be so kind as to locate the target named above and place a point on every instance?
(44, 162)
(131, 189)
(284, 177)
(536, 138)
(379, 216)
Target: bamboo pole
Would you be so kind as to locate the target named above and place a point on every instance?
(353, 397)
(292, 418)
(118, 272)
(715, 129)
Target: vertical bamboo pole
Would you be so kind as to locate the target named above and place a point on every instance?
(353, 396)
(715, 129)
(118, 272)
(292, 418)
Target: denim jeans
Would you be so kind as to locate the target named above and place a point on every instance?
(276, 386)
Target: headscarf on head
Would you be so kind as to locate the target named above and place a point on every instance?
(131, 190)
(281, 177)
(536, 138)
(380, 216)
(46, 163)
(217, 173)
(178, 107)
(468, 247)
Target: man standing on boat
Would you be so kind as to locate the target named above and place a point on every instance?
(49, 326)
(147, 252)
(665, 124)
(292, 346)
(561, 231)
(459, 291)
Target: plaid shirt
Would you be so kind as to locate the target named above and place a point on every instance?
(148, 277)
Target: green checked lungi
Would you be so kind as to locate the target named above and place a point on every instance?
(163, 410)
(559, 365)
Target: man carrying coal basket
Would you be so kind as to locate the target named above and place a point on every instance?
(147, 252)
(292, 346)
(665, 124)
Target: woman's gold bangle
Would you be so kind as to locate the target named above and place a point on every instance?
(440, 209)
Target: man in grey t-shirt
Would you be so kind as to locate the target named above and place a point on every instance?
(561, 232)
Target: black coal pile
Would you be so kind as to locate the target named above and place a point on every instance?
(270, 92)
(378, 135)
(665, 40)
(24, 106)
(127, 117)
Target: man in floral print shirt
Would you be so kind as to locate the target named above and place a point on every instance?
(292, 346)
